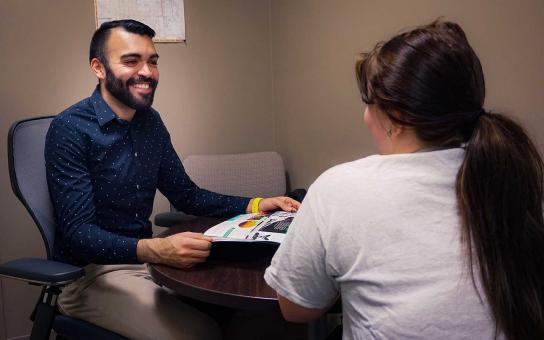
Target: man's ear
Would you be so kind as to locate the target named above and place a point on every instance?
(98, 68)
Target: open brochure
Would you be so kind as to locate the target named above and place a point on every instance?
(249, 236)
(261, 227)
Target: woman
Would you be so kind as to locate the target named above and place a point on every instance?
(442, 235)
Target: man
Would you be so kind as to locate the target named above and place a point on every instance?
(105, 158)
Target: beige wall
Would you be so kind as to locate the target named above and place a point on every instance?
(315, 43)
(43, 70)
(214, 95)
(2, 315)
(282, 69)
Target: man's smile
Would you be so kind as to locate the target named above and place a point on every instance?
(142, 88)
(142, 85)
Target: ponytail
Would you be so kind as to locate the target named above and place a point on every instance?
(499, 193)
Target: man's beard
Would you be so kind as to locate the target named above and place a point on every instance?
(121, 91)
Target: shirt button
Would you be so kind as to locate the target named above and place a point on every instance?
(136, 214)
(135, 154)
(137, 186)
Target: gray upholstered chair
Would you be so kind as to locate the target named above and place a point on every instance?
(26, 141)
(257, 174)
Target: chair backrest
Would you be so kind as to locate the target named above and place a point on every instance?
(245, 174)
(26, 142)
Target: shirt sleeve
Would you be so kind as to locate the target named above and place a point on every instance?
(298, 270)
(70, 186)
(186, 196)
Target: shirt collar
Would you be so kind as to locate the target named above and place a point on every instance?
(103, 112)
(105, 115)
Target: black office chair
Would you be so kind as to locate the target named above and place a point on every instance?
(26, 141)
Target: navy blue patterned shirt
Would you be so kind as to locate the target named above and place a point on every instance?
(103, 173)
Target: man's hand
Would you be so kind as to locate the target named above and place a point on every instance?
(274, 203)
(182, 250)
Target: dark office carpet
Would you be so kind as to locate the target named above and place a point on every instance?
(245, 325)
(250, 325)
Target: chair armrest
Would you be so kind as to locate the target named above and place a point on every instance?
(40, 271)
(297, 194)
(170, 219)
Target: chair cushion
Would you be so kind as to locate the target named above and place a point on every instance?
(244, 174)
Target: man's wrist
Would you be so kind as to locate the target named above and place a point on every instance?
(253, 205)
(144, 251)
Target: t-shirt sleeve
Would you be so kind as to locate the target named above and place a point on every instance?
(298, 270)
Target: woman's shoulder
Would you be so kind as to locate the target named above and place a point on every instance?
(344, 175)
(364, 166)
(375, 169)
(360, 164)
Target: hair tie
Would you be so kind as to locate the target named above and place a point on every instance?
(479, 113)
(475, 116)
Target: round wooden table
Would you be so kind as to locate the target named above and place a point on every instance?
(236, 284)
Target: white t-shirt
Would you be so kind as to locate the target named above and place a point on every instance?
(384, 233)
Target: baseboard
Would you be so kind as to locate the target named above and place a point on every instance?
(24, 337)
(2, 315)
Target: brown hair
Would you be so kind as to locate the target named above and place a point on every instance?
(434, 80)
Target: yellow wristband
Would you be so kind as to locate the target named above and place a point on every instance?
(255, 205)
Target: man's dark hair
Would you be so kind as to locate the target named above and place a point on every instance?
(99, 38)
